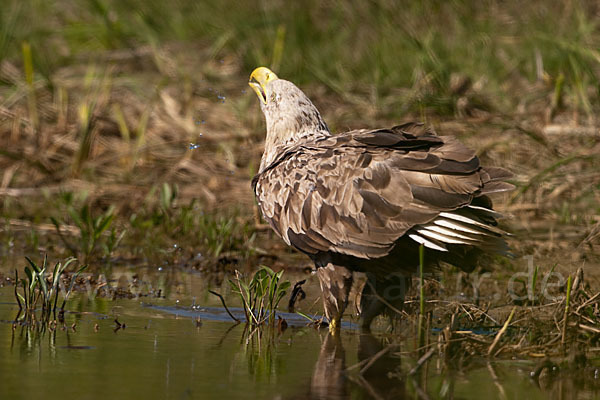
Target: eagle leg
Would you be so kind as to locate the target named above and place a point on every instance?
(336, 282)
(382, 295)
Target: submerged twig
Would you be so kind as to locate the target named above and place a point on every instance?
(16, 292)
(224, 305)
(422, 361)
(374, 358)
(501, 332)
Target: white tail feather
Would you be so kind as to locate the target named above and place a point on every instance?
(441, 238)
(455, 226)
(464, 219)
(427, 243)
(466, 226)
(450, 232)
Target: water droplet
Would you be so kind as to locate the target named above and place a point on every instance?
(175, 245)
(160, 268)
(194, 146)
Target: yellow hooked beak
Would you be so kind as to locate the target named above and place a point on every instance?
(259, 79)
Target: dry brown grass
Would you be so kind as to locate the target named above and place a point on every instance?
(119, 127)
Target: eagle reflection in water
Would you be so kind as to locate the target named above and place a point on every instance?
(332, 380)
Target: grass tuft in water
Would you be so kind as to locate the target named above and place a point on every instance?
(90, 229)
(261, 296)
(38, 290)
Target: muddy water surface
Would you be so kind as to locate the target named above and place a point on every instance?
(182, 345)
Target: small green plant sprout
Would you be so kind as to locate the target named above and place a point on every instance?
(168, 195)
(218, 233)
(261, 296)
(91, 228)
(38, 290)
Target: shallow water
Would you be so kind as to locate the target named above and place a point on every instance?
(169, 349)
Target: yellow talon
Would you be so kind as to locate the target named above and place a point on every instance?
(334, 325)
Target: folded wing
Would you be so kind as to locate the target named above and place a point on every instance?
(358, 193)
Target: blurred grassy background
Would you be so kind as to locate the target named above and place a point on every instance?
(104, 99)
(379, 46)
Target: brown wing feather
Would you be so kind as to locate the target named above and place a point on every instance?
(357, 193)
